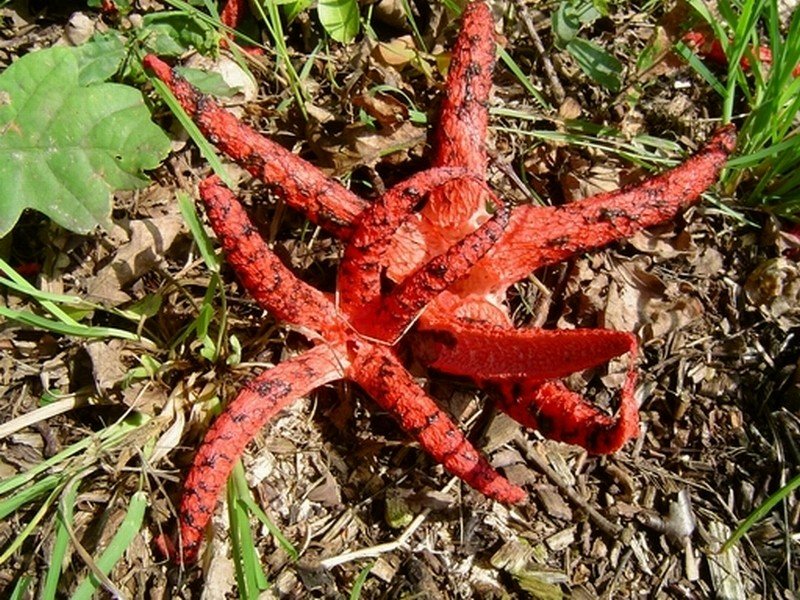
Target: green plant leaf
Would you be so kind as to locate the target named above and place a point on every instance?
(249, 572)
(292, 8)
(571, 15)
(658, 46)
(66, 146)
(208, 82)
(358, 585)
(21, 586)
(100, 58)
(565, 23)
(761, 512)
(598, 64)
(173, 33)
(339, 18)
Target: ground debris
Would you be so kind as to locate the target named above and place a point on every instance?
(726, 577)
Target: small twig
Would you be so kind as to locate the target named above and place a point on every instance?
(375, 551)
(623, 561)
(376, 180)
(506, 170)
(555, 85)
(606, 526)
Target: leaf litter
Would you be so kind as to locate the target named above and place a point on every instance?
(713, 303)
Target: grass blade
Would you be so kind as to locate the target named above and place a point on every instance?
(76, 329)
(199, 234)
(30, 527)
(29, 494)
(64, 523)
(282, 540)
(104, 439)
(762, 511)
(128, 529)
(20, 588)
(358, 584)
(249, 574)
(205, 147)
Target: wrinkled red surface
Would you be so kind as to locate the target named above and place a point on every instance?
(233, 12)
(452, 263)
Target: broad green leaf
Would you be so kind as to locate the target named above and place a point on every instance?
(208, 82)
(589, 12)
(66, 146)
(601, 7)
(147, 307)
(571, 15)
(173, 33)
(565, 24)
(598, 64)
(100, 59)
(339, 18)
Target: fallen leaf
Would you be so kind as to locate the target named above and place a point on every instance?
(384, 108)
(108, 368)
(79, 29)
(774, 288)
(363, 147)
(569, 109)
(391, 12)
(149, 240)
(397, 53)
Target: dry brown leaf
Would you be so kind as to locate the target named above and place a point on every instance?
(623, 307)
(364, 147)
(391, 12)
(146, 397)
(669, 317)
(664, 61)
(328, 492)
(662, 246)
(171, 437)
(708, 263)
(569, 109)
(108, 368)
(578, 182)
(638, 300)
(774, 287)
(232, 74)
(55, 373)
(384, 108)
(148, 241)
(397, 53)
(79, 29)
